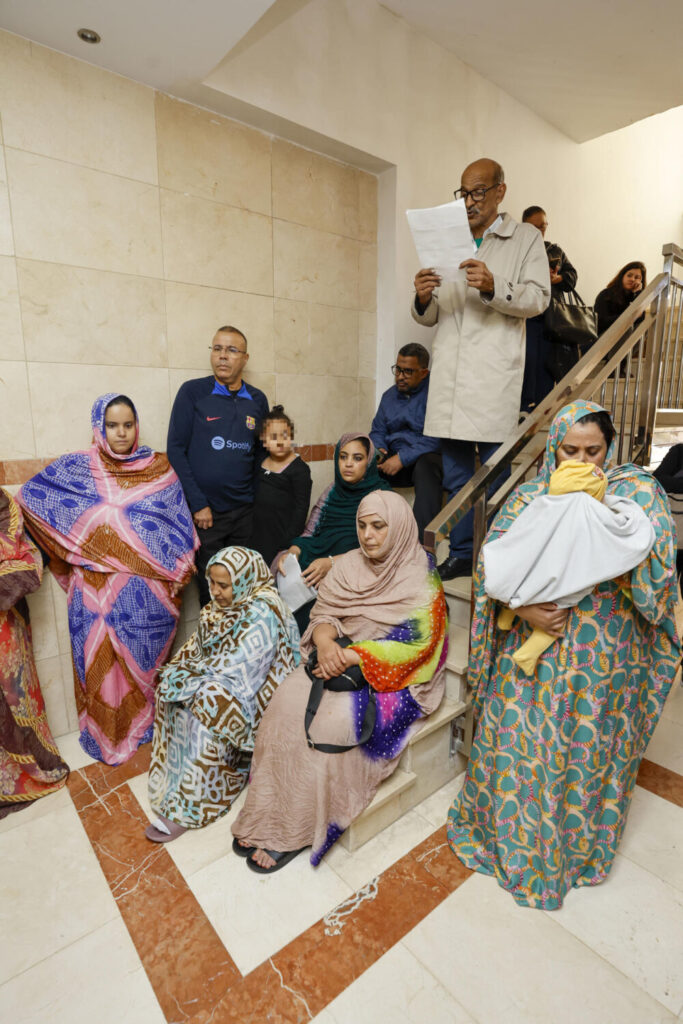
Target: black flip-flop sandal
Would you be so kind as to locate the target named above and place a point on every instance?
(242, 851)
(280, 860)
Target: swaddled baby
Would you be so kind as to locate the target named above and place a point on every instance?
(562, 545)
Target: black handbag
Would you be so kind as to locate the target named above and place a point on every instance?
(568, 321)
(559, 358)
(352, 679)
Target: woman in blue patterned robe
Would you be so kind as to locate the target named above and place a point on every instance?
(212, 694)
(556, 755)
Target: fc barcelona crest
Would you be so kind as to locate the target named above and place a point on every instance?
(251, 423)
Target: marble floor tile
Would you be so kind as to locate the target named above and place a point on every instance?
(52, 891)
(200, 846)
(46, 805)
(635, 921)
(256, 915)
(666, 745)
(58, 990)
(511, 965)
(380, 852)
(673, 709)
(396, 989)
(653, 837)
(436, 807)
(72, 752)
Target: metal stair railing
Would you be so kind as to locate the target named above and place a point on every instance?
(630, 369)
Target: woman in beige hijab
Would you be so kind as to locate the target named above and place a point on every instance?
(311, 778)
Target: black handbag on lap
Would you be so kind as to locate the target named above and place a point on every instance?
(568, 321)
(352, 679)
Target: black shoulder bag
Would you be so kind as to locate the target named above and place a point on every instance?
(352, 679)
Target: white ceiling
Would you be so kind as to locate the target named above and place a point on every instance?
(587, 66)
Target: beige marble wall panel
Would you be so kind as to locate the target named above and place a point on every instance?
(315, 339)
(313, 190)
(69, 214)
(334, 340)
(367, 206)
(11, 335)
(61, 615)
(291, 335)
(64, 108)
(220, 246)
(315, 266)
(194, 313)
(367, 404)
(212, 157)
(322, 475)
(367, 345)
(43, 624)
(6, 236)
(62, 396)
(322, 408)
(53, 686)
(16, 427)
(73, 315)
(367, 277)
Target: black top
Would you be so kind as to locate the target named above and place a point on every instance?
(213, 443)
(565, 269)
(610, 304)
(280, 508)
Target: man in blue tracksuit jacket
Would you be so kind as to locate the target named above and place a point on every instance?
(213, 444)
(407, 456)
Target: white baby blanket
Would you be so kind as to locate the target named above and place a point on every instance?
(562, 545)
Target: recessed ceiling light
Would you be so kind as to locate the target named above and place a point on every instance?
(88, 35)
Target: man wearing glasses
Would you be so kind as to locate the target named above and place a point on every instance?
(406, 455)
(213, 439)
(478, 349)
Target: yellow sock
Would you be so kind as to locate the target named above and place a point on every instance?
(505, 618)
(531, 650)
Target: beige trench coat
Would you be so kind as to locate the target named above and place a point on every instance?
(478, 352)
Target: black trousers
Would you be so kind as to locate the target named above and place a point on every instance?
(537, 381)
(426, 476)
(233, 527)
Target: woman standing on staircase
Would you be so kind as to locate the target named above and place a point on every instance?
(388, 600)
(556, 754)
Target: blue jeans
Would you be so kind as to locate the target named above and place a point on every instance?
(458, 469)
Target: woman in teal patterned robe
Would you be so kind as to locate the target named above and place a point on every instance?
(556, 755)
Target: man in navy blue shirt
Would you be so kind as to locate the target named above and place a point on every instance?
(213, 440)
(407, 456)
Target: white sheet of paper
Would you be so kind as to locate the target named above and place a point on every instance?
(293, 591)
(442, 238)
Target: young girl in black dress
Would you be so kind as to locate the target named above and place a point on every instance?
(283, 491)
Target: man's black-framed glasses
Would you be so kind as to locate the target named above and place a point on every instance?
(401, 371)
(476, 194)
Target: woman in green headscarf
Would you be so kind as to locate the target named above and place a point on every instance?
(556, 754)
(331, 526)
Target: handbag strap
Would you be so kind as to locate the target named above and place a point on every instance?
(314, 698)
(348, 681)
(573, 295)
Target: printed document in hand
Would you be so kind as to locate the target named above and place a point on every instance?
(293, 590)
(442, 238)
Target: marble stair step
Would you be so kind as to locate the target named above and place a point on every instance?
(425, 766)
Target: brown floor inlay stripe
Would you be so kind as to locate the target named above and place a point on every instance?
(661, 781)
(192, 974)
(185, 961)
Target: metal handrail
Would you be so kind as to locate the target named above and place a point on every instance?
(643, 351)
